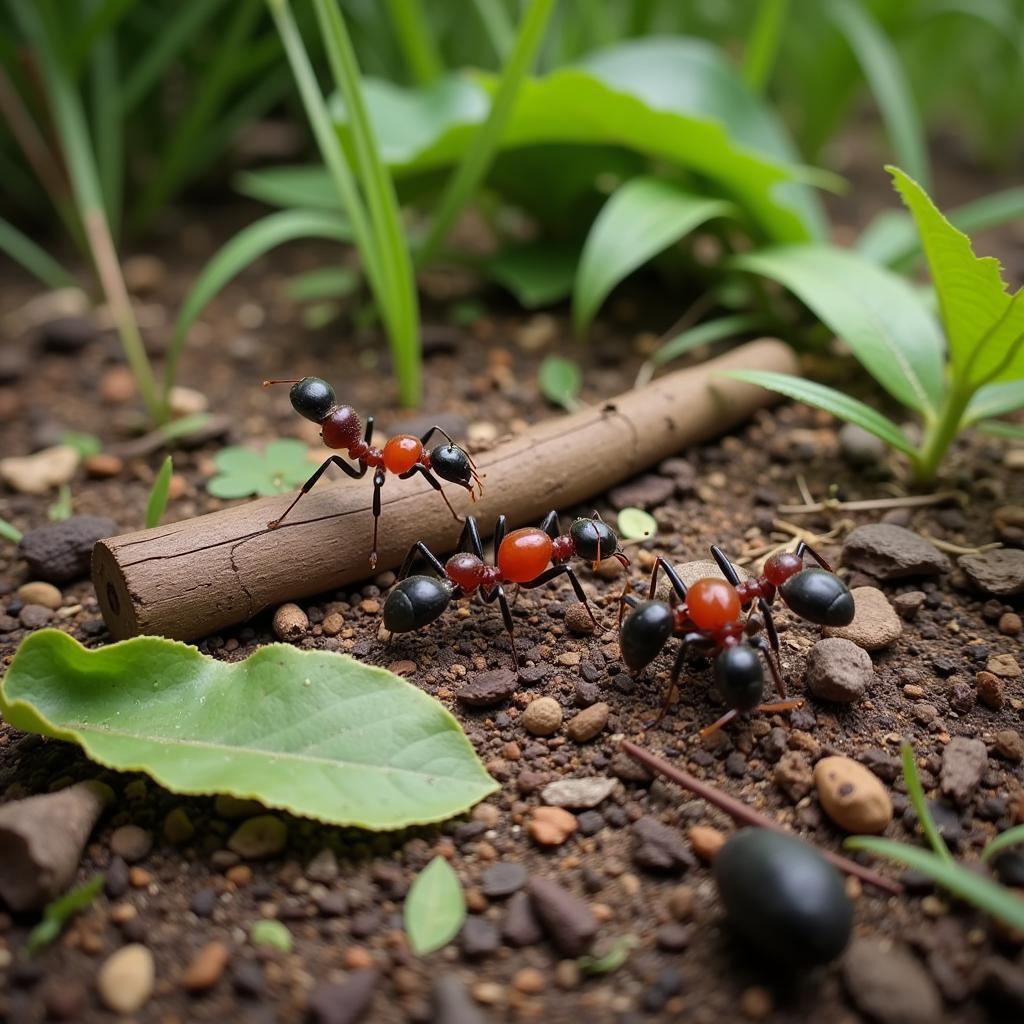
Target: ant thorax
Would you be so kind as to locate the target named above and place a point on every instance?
(562, 549)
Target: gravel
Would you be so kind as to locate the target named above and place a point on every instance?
(890, 552)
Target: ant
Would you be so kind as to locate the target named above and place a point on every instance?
(709, 618)
(403, 454)
(528, 557)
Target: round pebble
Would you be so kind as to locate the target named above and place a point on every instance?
(125, 981)
(259, 838)
(875, 622)
(706, 842)
(131, 843)
(588, 723)
(852, 796)
(578, 620)
(551, 826)
(290, 622)
(542, 716)
(178, 827)
(206, 967)
(40, 593)
(838, 670)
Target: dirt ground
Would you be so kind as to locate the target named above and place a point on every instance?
(685, 964)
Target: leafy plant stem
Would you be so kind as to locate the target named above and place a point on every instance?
(763, 47)
(940, 434)
(497, 25)
(416, 40)
(477, 158)
(916, 793)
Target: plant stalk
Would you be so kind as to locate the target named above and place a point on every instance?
(416, 40)
(941, 434)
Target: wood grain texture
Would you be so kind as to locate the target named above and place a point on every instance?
(192, 578)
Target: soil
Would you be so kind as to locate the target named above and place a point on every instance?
(685, 964)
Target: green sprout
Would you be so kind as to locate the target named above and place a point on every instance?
(60, 911)
(281, 466)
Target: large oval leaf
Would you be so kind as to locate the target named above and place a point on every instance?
(314, 733)
(643, 217)
(435, 908)
(873, 310)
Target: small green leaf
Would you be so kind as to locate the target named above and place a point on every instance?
(995, 400)
(611, 961)
(538, 273)
(1000, 428)
(271, 933)
(61, 509)
(282, 466)
(641, 219)
(318, 734)
(60, 911)
(636, 524)
(835, 402)
(84, 444)
(300, 187)
(158, 495)
(322, 283)
(435, 908)
(916, 793)
(10, 532)
(560, 381)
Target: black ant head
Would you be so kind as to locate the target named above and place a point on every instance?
(594, 539)
(415, 601)
(740, 677)
(644, 632)
(451, 463)
(820, 597)
(313, 398)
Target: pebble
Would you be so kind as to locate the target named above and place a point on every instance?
(67, 334)
(65, 998)
(520, 926)
(860, 447)
(529, 980)
(1010, 624)
(178, 827)
(62, 552)
(259, 838)
(875, 622)
(579, 794)
(290, 622)
(345, 1003)
(131, 843)
(542, 716)
(37, 592)
(206, 967)
(103, 466)
(117, 385)
(660, 848)
(41, 472)
(908, 604)
(333, 624)
(1010, 744)
(838, 670)
(890, 552)
(673, 937)
(187, 401)
(990, 690)
(323, 868)
(647, 491)
(551, 826)
(681, 901)
(996, 572)
(963, 763)
(756, 1003)
(889, 985)
(706, 842)
(488, 688)
(588, 723)
(34, 616)
(478, 938)
(852, 795)
(125, 981)
(793, 775)
(1003, 665)
(503, 879)
(578, 620)
(569, 922)
(451, 1002)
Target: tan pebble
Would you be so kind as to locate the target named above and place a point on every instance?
(551, 826)
(125, 981)
(239, 875)
(487, 813)
(402, 668)
(370, 606)
(37, 592)
(681, 901)
(357, 958)
(542, 716)
(122, 912)
(706, 842)
(567, 972)
(1010, 624)
(103, 466)
(333, 624)
(1010, 744)
(854, 889)
(588, 723)
(933, 907)
(290, 622)
(38, 473)
(609, 569)
(476, 901)
(117, 385)
(990, 690)
(206, 967)
(187, 401)
(1003, 665)
(511, 752)
(489, 993)
(529, 981)
(756, 1003)
(875, 622)
(570, 659)
(177, 487)
(578, 620)
(139, 878)
(852, 796)
(913, 692)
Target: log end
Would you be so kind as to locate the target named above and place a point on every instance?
(115, 600)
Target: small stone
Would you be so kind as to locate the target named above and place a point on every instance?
(838, 671)
(756, 1003)
(62, 552)
(125, 981)
(64, 998)
(478, 938)
(451, 1002)
(41, 472)
(793, 775)
(1010, 744)
(578, 620)
(290, 622)
(888, 984)
(488, 688)
(673, 937)
(875, 622)
(520, 926)
(647, 491)
(34, 616)
(259, 838)
(187, 401)
(1010, 624)
(67, 334)
(568, 920)
(542, 716)
(323, 868)
(996, 572)
(345, 1003)
(529, 981)
(706, 842)
(990, 690)
(681, 901)
(890, 552)
(659, 848)
(860, 447)
(551, 826)
(588, 723)
(103, 465)
(503, 879)
(37, 592)
(578, 794)
(143, 273)
(178, 827)
(963, 764)
(247, 980)
(333, 624)
(908, 604)
(206, 967)
(852, 796)
(131, 843)
(1003, 665)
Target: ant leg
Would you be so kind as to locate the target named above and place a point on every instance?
(335, 460)
(378, 483)
(769, 624)
(549, 524)
(499, 534)
(762, 645)
(673, 577)
(563, 570)
(728, 569)
(626, 598)
(710, 730)
(498, 594)
(368, 433)
(673, 682)
(436, 484)
(803, 548)
(419, 548)
(469, 539)
(779, 706)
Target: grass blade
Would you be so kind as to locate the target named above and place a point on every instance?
(32, 257)
(158, 495)
(9, 532)
(498, 26)
(763, 46)
(416, 40)
(1011, 837)
(1000, 428)
(107, 126)
(686, 341)
(916, 793)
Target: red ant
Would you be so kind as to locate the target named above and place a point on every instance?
(528, 558)
(709, 618)
(403, 455)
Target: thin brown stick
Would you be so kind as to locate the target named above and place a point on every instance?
(739, 811)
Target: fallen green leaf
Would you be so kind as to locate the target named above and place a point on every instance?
(84, 444)
(315, 733)
(59, 912)
(281, 466)
(10, 532)
(636, 524)
(158, 495)
(537, 273)
(435, 908)
(271, 933)
(560, 381)
(610, 961)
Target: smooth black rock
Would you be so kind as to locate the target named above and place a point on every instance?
(783, 897)
(62, 552)
(346, 1003)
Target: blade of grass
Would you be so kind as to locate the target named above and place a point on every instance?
(416, 40)
(158, 495)
(8, 531)
(763, 46)
(1000, 428)
(498, 26)
(916, 793)
(34, 259)
(107, 125)
(1002, 842)
(482, 146)
(706, 333)
(103, 19)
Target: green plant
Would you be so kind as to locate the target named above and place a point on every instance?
(612, 960)
(272, 935)
(435, 908)
(560, 381)
(974, 374)
(10, 532)
(57, 914)
(281, 466)
(636, 524)
(61, 508)
(157, 502)
(983, 893)
(320, 735)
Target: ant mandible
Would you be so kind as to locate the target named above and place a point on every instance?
(710, 618)
(528, 557)
(403, 454)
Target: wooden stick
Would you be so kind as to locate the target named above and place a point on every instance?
(192, 578)
(741, 812)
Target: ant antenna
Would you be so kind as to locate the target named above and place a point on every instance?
(267, 383)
